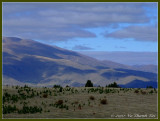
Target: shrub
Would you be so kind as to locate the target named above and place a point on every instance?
(6, 94)
(67, 86)
(17, 87)
(6, 97)
(155, 90)
(26, 86)
(143, 92)
(67, 108)
(45, 95)
(30, 109)
(79, 107)
(103, 101)
(91, 98)
(59, 102)
(56, 86)
(55, 94)
(9, 109)
(37, 94)
(89, 103)
(65, 101)
(76, 102)
(149, 87)
(60, 89)
(100, 91)
(136, 91)
(151, 92)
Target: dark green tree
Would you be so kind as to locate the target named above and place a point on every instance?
(113, 85)
(60, 89)
(89, 84)
(149, 87)
(56, 86)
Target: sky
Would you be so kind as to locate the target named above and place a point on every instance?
(94, 29)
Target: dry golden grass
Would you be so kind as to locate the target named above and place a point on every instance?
(119, 104)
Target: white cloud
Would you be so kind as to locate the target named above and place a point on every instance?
(64, 21)
(139, 33)
(81, 47)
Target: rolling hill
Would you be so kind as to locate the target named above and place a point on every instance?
(33, 63)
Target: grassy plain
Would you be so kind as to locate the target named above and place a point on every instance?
(79, 102)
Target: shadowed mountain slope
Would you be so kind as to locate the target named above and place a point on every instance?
(28, 61)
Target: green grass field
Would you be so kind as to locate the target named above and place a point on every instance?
(79, 102)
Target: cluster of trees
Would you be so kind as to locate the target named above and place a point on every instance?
(90, 84)
(56, 86)
(149, 87)
(114, 84)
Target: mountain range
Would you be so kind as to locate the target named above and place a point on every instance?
(30, 62)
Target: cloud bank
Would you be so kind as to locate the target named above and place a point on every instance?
(81, 47)
(139, 33)
(66, 21)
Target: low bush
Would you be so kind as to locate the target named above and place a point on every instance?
(9, 109)
(59, 102)
(30, 109)
(104, 101)
(45, 95)
(136, 91)
(76, 102)
(143, 92)
(151, 92)
(91, 98)
(57, 86)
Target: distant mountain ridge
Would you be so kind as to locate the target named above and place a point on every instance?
(31, 62)
(139, 84)
(146, 68)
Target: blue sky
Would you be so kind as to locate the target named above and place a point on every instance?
(82, 27)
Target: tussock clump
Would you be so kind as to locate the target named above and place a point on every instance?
(136, 91)
(45, 95)
(59, 102)
(143, 92)
(76, 102)
(104, 101)
(79, 107)
(91, 98)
